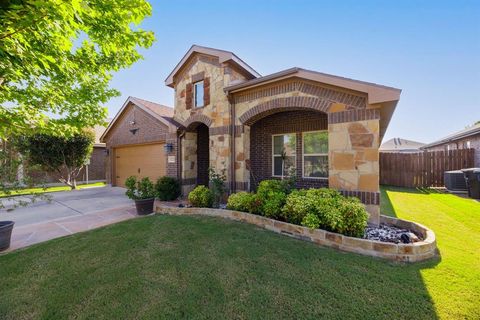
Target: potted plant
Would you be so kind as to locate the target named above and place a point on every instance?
(142, 192)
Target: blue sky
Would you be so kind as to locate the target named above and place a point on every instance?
(429, 49)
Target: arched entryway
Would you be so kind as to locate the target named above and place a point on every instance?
(196, 154)
(290, 142)
(203, 154)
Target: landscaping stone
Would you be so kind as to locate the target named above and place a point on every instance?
(424, 249)
(391, 234)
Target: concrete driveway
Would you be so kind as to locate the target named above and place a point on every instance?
(67, 213)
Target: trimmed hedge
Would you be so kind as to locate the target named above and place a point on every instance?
(314, 208)
(167, 188)
(201, 197)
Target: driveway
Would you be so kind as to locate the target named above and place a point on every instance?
(67, 213)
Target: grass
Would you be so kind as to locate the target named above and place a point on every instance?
(28, 191)
(201, 267)
(454, 283)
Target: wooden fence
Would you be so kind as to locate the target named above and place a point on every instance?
(422, 169)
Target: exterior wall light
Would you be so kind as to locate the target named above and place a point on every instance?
(168, 147)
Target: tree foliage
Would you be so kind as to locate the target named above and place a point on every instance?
(57, 58)
(65, 155)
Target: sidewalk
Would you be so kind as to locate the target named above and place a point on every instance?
(25, 236)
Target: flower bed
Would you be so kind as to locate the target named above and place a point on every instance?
(412, 252)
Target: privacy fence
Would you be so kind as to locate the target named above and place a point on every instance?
(422, 169)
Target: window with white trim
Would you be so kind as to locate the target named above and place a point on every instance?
(315, 154)
(198, 93)
(284, 154)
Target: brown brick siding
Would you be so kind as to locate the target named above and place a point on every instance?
(261, 143)
(283, 104)
(150, 130)
(364, 196)
(351, 100)
(197, 118)
(353, 115)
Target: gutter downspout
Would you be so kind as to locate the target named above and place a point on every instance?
(179, 155)
(232, 143)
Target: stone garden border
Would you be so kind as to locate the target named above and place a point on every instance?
(415, 252)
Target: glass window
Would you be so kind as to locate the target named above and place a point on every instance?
(284, 154)
(198, 90)
(315, 154)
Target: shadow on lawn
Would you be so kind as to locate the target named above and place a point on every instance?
(387, 208)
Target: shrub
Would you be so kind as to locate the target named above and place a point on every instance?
(217, 183)
(271, 196)
(201, 197)
(311, 221)
(241, 201)
(326, 209)
(167, 188)
(296, 207)
(272, 205)
(268, 186)
(138, 190)
(354, 217)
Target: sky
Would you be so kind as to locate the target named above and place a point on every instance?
(429, 49)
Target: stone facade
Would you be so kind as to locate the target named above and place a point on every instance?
(241, 124)
(215, 114)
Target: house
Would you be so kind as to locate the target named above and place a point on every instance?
(468, 138)
(324, 129)
(401, 145)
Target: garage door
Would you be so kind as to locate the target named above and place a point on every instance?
(140, 161)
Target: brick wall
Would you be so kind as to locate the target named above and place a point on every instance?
(285, 122)
(149, 130)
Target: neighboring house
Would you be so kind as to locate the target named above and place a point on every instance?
(94, 171)
(401, 145)
(464, 139)
(324, 128)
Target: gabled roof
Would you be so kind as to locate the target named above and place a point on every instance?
(399, 144)
(160, 112)
(223, 56)
(467, 132)
(376, 93)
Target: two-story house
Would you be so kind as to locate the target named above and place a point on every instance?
(324, 129)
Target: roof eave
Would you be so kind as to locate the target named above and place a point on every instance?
(223, 56)
(454, 138)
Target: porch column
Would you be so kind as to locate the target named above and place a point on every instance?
(354, 158)
(242, 158)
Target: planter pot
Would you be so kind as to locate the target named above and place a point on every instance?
(6, 228)
(144, 206)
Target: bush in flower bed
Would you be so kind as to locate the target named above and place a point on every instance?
(243, 201)
(314, 208)
(201, 197)
(272, 195)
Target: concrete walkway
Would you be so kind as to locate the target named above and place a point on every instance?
(27, 235)
(68, 213)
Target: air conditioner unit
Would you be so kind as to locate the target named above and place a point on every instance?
(455, 180)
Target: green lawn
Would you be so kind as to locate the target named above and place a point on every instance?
(200, 267)
(27, 191)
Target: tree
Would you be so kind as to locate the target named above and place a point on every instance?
(65, 155)
(57, 58)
